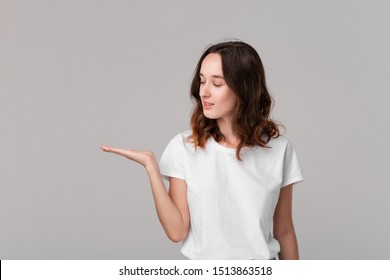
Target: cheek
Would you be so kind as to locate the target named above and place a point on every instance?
(230, 100)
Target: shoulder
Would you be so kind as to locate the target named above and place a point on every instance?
(182, 136)
(280, 146)
(280, 142)
(285, 150)
(181, 139)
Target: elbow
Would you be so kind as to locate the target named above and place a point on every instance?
(281, 233)
(284, 231)
(177, 237)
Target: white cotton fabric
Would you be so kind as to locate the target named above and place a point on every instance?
(231, 202)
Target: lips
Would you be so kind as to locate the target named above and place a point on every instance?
(207, 104)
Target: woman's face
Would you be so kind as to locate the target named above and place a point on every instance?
(218, 100)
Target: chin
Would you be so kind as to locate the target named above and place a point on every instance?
(209, 116)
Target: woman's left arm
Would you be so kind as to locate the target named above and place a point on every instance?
(284, 230)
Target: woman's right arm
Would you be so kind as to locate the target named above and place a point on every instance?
(172, 208)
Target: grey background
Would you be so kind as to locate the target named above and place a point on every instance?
(78, 74)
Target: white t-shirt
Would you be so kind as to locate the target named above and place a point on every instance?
(231, 202)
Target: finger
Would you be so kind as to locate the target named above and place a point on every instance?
(105, 148)
(126, 153)
(112, 150)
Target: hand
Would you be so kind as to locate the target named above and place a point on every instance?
(145, 158)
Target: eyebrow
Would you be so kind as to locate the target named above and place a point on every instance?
(214, 76)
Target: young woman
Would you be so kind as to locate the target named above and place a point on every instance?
(231, 176)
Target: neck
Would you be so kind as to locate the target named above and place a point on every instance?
(231, 140)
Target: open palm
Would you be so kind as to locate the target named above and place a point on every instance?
(142, 157)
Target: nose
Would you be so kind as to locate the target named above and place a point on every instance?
(204, 91)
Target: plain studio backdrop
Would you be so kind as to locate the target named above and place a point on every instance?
(77, 74)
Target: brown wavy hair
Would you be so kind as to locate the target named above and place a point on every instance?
(244, 74)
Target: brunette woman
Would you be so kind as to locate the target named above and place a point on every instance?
(231, 175)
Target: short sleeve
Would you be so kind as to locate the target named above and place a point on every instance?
(171, 162)
(292, 173)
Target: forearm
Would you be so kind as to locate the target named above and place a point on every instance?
(168, 213)
(288, 246)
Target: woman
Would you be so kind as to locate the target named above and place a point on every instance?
(231, 176)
